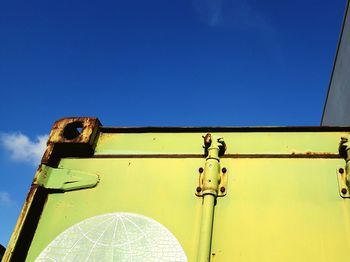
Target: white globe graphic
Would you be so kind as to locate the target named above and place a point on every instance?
(115, 237)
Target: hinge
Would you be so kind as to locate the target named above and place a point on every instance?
(343, 183)
(64, 179)
(212, 180)
(343, 173)
(222, 188)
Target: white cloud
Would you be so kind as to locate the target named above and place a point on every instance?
(5, 199)
(22, 149)
(241, 15)
(231, 13)
(209, 11)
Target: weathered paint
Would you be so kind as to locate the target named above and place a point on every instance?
(26, 225)
(64, 179)
(238, 143)
(282, 199)
(282, 210)
(128, 185)
(69, 137)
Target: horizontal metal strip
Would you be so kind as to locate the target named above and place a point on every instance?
(309, 155)
(152, 129)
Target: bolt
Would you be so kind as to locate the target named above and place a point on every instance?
(222, 189)
(344, 191)
(224, 170)
(198, 189)
(341, 170)
(200, 170)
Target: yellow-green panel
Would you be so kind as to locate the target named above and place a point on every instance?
(282, 210)
(237, 143)
(282, 199)
(161, 189)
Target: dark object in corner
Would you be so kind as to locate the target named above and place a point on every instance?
(2, 251)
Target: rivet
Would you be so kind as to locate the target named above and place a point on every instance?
(198, 189)
(224, 170)
(344, 191)
(222, 189)
(341, 170)
(200, 170)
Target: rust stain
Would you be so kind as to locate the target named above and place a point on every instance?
(309, 153)
(26, 224)
(207, 140)
(19, 225)
(88, 124)
(25, 208)
(72, 136)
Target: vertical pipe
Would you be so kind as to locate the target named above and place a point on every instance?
(210, 191)
(206, 228)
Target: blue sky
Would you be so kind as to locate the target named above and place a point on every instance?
(160, 63)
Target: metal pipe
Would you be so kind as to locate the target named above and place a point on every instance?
(210, 191)
(206, 229)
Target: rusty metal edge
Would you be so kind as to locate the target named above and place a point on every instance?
(29, 217)
(27, 222)
(82, 145)
(158, 129)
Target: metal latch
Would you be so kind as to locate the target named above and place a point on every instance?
(212, 180)
(343, 173)
(64, 179)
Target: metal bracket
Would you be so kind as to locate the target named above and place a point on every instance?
(343, 173)
(343, 184)
(222, 188)
(64, 179)
(212, 180)
(71, 137)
